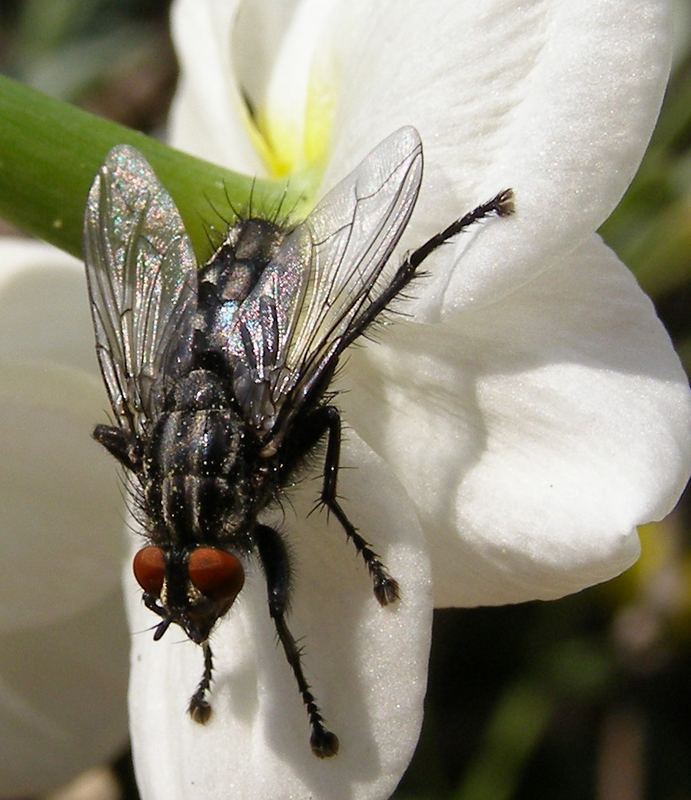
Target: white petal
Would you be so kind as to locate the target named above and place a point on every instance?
(64, 642)
(208, 117)
(61, 499)
(228, 52)
(45, 312)
(367, 666)
(304, 87)
(62, 695)
(534, 434)
(257, 34)
(555, 99)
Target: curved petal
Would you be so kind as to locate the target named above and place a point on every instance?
(61, 529)
(257, 35)
(534, 434)
(61, 501)
(227, 109)
(44, 313)
(367, 666)
(557, 100)
(208, 117)
(303, 88)
(62, 705)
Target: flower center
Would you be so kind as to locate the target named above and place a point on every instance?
(293, 146)
(293, 122)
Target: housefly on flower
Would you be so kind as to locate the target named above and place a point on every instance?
(219, 376)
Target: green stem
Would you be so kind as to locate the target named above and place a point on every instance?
(50, 152)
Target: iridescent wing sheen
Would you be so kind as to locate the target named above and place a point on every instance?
(141, 274)
(305, 307)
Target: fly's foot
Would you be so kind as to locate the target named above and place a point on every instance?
(199, 708)
(503, 203)
(324, 744)
(386, 589)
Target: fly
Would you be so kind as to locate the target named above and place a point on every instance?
(219, 375)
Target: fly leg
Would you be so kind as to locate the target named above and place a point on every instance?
(119, 443)
(386, 588)
(274, 559)
(199, 708)
(501, 205)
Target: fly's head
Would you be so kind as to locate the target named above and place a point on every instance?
(192, 587)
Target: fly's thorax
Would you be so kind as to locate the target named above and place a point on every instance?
(195, 468)
(200, 390)
(206, 443)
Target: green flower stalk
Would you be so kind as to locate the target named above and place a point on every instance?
(50, 151)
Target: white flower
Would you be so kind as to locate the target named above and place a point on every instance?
(508, 440)
(63, 662)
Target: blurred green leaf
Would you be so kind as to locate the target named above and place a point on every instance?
(70, 70)
(651, 228)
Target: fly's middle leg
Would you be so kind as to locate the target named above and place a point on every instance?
(386, 588)
(119, 443)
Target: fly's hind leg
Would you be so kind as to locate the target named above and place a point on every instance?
(502, 205)
(386, 588)
(274, 559)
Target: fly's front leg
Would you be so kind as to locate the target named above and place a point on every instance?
(274, 559)
(199, 707)
(386, 588)
(121, 444)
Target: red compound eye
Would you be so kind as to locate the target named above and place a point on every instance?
(217, 574)
(149, 567)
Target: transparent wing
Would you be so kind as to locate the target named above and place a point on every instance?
(326, 273)
(141, 275)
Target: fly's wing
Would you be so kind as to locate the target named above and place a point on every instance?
(327, 272)
(141, 275)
